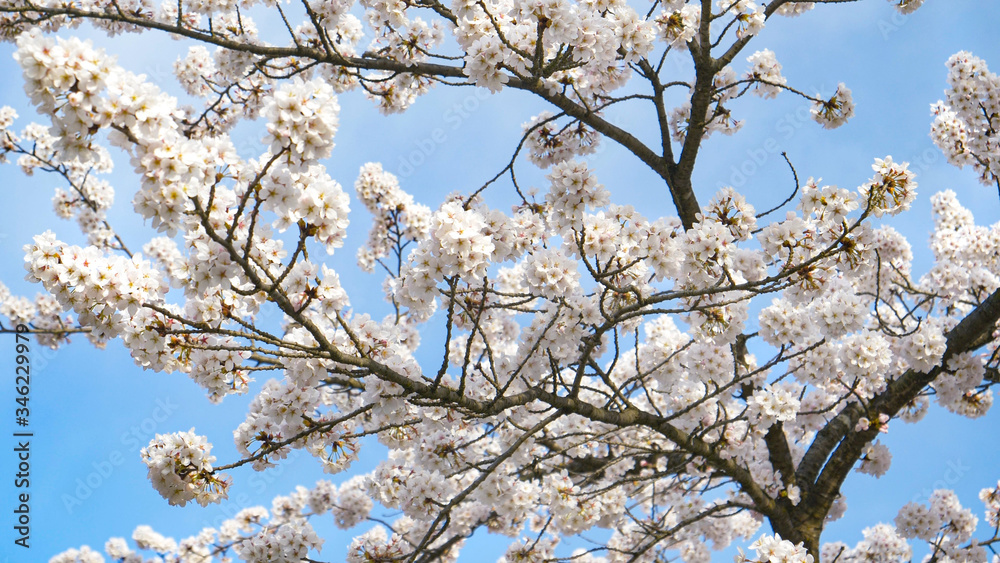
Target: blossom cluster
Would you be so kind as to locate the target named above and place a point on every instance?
(180, 468)
(943, 514)
(882, 542)
(284, 534)
(302, 119)
(765, 72)
(773, 549)
(836, 110)
(104, 291)
(551, 143)
(396, 218)
(968, 113)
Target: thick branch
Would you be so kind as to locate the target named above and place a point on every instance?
(974, 331)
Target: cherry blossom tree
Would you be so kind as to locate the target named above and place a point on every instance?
(597, 368)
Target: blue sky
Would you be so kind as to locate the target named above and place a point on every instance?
(92, 410)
